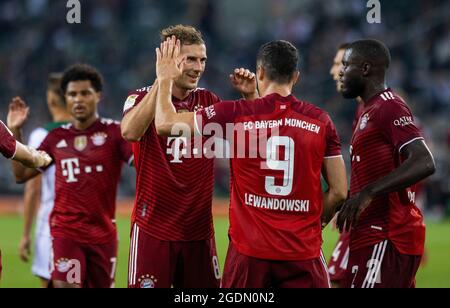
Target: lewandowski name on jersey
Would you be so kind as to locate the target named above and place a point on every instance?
(277, 204)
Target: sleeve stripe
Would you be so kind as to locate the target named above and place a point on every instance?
(330, 157)
(409, 142)
(131, 160)
(196, 128)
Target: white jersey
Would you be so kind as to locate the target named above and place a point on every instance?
(47, 187)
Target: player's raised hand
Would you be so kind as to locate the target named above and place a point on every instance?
(18, 113)
(351, 211)
(168, 64)
(244, 81)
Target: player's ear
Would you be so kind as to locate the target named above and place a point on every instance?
(366, 67)
(99, 96)
(295, 78)
(260, 73)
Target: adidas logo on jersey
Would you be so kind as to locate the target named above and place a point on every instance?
(62, 144)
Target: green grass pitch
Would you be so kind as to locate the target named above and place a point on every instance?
(436, 272)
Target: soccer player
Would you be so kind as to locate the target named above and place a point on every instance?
(40, 191)
(172, 241)
(88, 156)
(12, 149)
(276, 198)
(337, 265)
(389, 156)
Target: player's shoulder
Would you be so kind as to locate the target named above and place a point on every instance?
(134, 97)
(312, 111)
(389, 103)
(143, 90)
(109, 124)
(206, 96)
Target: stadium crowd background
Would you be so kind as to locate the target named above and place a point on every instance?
(119, 36)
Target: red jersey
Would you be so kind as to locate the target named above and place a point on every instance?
(384, 128)
(88, 165)
(276, 197)
(7, 142)
(174, 190)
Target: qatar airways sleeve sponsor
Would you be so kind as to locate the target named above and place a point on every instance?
(277, 204)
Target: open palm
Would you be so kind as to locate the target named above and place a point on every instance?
(18, 113)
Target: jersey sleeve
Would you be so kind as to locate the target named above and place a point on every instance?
(213, 120)
(333, 142)
(36, 137)
(134, 99)
(214, 99)
(7, 142)
(397, 124)
(47, 146)
(125, 147)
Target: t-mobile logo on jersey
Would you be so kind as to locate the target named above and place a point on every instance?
(177, 147)
(71, 168)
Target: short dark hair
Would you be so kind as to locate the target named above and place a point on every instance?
(187, 35)
(279, 59)
(372, 51)
(344, 46)
(82, 72)
(54, 86)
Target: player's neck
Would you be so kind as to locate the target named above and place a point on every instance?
(282, 90)
(85, 124)
(372, 90)
(180, 93)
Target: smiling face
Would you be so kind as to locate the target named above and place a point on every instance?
(194, 66)
(82, 100)
(351, 75)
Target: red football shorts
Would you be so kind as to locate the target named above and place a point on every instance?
(163, 264)
(246, 272)
(337, 266)
(381, 266)
(89, 266)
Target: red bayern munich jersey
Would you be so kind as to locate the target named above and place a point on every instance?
(88, 166)
(7, 142)
(173, 191)
(276, 200)
(384, 128)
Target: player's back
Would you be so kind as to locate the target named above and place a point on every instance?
(276, 197)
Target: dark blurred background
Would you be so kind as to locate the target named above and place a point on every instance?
(119, 37)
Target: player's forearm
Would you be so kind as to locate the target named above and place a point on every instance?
(336, 176)
(32, 197)
(418, 166)
(23, 162)
(165, 111)
(137, 121)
